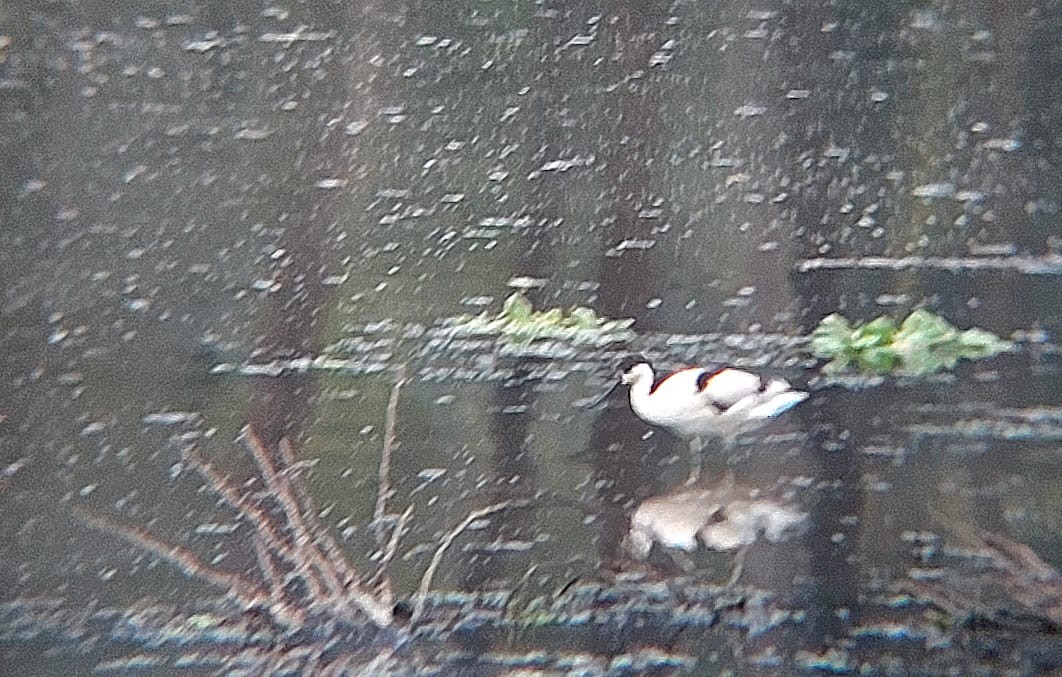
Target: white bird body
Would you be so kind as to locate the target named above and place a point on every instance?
(697, 402)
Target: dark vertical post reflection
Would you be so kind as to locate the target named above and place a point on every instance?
(514, 471)
(303, 216)
(835, 422)
(626, 280)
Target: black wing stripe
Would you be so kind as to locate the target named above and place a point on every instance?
(705, 376)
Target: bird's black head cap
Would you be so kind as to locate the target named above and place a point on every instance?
(630, 361)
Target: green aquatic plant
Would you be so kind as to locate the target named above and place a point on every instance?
(520, 322)
(924, 343)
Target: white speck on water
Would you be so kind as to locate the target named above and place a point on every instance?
(278, 13)
(746, 291)
(837, 152)
(653, 303)
(926, 20)
(331, 183)
(749, 110)
(934, 191)
(431, 474)
(892, 299)
(969, 196)
(298, 35)
(426, 40)
(1006, 145)
(170, 417)
(452, 198)
(67, 213)
(205, 45)
(278, 253)
(979, 127)
(566, 164)
(525, 282)
(877, 96)
(798, 94)
(356, 127)
(136, 171)
(137, 305)
(93, 428)
(636, 244)
(57, 336)
(31, 186)
(87, 489)
(252, 134)
(215, 528)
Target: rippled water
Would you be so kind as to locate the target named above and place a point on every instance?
(241, 213)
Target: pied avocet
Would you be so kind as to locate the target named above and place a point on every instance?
(696, 402)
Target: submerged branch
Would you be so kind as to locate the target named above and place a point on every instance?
(383, 491)
(248, 593)
(448, 539)
(386, 593)
(264, 526)
(321, 534)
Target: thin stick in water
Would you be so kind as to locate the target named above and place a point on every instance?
(448, 539)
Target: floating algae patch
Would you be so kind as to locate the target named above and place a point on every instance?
(519, 322)
(922, 344)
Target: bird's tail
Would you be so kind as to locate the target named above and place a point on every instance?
(777, 403)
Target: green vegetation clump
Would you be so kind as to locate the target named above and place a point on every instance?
(520, 322)
(924, 343)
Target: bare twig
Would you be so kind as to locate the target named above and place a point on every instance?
(245, 591)
(384, 587)
(448, 539)
(321, 534)
(383, 490)
(280, 488)
(306, 541)
(289, 539)
(268, 569)
(257, 518)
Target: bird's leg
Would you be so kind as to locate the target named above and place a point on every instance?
(696, 461)
(738, 567)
